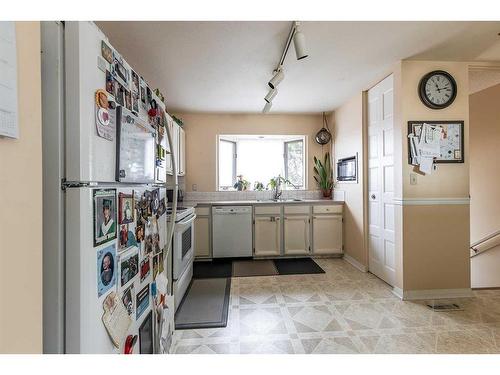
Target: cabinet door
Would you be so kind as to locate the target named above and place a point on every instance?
(327, 234)
(296, 233)
(267, 235)
(182, 152)
(202, 236)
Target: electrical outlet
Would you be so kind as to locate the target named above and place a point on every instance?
(194, 187)
(413, 178)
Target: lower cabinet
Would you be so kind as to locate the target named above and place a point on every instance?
(327, 234)
(267, 231)
(296, 235)
(202, 237)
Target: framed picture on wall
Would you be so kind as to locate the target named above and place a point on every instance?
(452, 139)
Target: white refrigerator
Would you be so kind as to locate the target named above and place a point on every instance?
(106, 237)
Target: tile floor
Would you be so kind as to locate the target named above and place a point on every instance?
(343, 311)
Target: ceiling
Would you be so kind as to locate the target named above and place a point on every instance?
(225, 66)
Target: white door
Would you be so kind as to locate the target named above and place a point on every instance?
(381, 181)
(267, 235)
(296, 233)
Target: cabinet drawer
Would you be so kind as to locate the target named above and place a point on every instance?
(202, 211)
(328, 209)
(267, 210)
(295, 209)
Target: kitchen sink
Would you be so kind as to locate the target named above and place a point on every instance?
(280, 200)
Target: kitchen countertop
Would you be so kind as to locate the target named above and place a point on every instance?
(258, 202)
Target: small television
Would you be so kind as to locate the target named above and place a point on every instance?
(347, 169)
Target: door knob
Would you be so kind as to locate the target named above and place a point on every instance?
(373, 196)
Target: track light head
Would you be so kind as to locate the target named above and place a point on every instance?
(277, 78)
(267, 107)
(299, 41)
(270, 95)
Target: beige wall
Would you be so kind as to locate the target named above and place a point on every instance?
(201, 139)
(450, 180)
(21, 208)
(485, 182)
(435, 237)
(348, 137)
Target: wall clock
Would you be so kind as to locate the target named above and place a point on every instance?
(437, 89)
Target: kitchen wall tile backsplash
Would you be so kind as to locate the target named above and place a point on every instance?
(202, 196)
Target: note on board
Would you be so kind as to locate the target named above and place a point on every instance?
(8, 80)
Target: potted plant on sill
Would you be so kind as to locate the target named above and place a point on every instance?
(324, 175)
(241, 184)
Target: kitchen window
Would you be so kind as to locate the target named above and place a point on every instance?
(244, 161)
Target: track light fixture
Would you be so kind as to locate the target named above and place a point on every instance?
(267, 107)
(270, 95)
(277, 78)
(299, 42)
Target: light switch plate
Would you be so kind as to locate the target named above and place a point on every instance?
(194, 187)
(413, 178)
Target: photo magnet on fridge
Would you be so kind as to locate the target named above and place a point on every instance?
(128, 299)
(145, 268)
(142, 301)
(106, 52)
(126, 208)
(129, 266)
(135, 83)
(110, 83)
(104, 215)
(119, 70)
(155, 266)
(106, 269)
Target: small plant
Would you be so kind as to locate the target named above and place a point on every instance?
(258, 186)
(241, 184)
(275, 184)
(324, 175)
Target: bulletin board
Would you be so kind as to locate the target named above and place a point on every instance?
(452, 141)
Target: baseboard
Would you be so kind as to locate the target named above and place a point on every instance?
(409, 295)
(353, 262)
(398, 292)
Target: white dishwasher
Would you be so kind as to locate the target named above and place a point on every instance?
(232, 231)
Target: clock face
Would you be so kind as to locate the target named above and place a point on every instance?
(437, 89)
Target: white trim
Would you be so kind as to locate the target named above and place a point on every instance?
(409, 295)
(353, 262)
(430, 201)
(398, 292)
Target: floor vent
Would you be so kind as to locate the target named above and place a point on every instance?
(445, 307)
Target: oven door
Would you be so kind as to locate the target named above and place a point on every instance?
(183, 245)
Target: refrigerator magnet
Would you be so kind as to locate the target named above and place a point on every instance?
(135, 82)
(142, 301)
(106, 52)
(128, 300)
(101, 99)
(106, 269)
(139, 233)
(125, 208)
(129, 267)
(155, 266)
(145, 268)
(104, 215)
(110, 83)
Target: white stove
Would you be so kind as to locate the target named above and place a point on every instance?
(182, 250)
(182, 212)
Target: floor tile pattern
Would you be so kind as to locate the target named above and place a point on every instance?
(342, 311)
